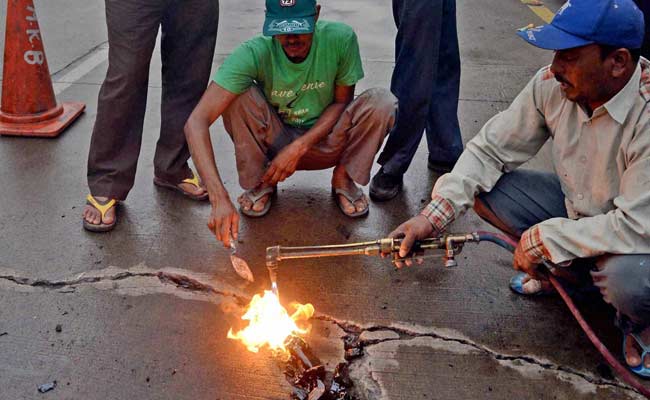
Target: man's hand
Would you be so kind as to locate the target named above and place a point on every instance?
(525, 262)
(284, 164)
(414, 229)
(224, 221)
(529, 252)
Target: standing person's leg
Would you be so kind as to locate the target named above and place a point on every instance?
(443, 131)
(117, 135)
(416, 60)
(624, 281)
(189, 31)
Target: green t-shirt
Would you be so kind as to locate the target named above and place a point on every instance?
(299, 92)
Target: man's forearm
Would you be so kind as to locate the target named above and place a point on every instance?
(198, 140)
(323, 126)
(197, 132)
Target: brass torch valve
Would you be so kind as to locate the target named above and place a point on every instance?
(454, 245)
(450, 244)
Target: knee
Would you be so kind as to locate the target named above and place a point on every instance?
(481, 209)
(625, 284)
(378, 102)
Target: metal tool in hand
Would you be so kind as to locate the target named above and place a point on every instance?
(450, 245)
(447, 246)
(241, 267)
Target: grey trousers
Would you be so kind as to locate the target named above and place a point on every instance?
(189, 30)
(259, 134)
(524, 198)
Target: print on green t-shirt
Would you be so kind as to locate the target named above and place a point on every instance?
(299, 92)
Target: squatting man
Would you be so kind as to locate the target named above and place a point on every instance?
(592, 216)
(287, 101)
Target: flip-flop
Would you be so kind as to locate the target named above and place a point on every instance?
(641, 369)
(254, 196)
(517, 286)
(358, 195)
(194, 180)
(103, 209)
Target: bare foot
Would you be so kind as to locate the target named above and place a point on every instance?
(633, 350)
(341, 180)
(246, 203)
(93, 216)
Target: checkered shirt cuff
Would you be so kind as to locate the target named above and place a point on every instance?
(533, 246)
(439, 212)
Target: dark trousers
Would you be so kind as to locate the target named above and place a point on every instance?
(426, 83)
(189, 29)
(524, 198)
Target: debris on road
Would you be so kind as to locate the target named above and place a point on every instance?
(46, 387)
(309, 378)
(58, 328)
(351, 354)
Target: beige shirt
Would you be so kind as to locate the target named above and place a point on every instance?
(603, 163)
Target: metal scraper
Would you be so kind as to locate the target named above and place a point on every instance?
(238, 263)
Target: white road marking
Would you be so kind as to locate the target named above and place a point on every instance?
(99, 56)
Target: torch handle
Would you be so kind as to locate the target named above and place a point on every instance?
(382, 246)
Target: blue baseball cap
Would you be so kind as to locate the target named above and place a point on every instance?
(617, 23)
(285, 17)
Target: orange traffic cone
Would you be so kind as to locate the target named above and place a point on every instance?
(28, 104)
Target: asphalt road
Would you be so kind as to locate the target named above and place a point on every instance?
(128, 331)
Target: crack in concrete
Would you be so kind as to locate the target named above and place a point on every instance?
(404, 334)
(58, 284)
(353, 340)
(182, 281)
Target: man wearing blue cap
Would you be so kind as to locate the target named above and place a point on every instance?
(592, 216)
(287, 100)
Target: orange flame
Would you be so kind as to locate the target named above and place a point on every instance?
(270, 323)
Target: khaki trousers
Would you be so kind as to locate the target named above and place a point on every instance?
(259, 134)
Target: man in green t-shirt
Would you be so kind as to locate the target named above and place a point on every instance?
(287, 101)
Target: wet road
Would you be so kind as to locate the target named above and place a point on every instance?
(127, 331)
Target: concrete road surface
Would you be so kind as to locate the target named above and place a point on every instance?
(101, 315)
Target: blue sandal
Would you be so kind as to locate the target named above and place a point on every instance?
(639, 370)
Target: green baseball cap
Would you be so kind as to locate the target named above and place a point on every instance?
(285, 17)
